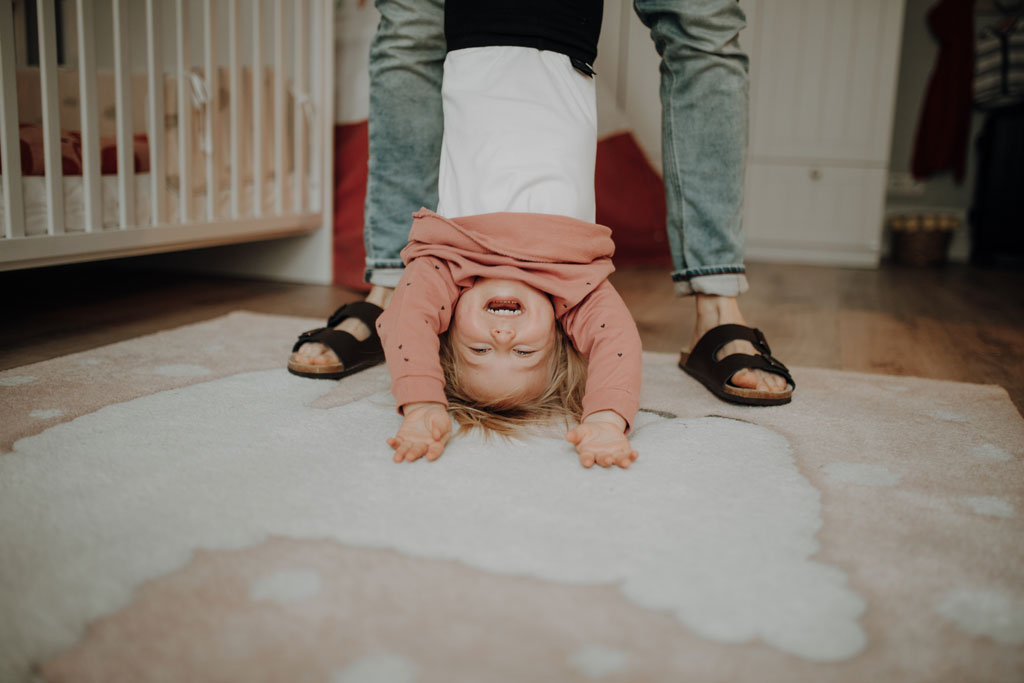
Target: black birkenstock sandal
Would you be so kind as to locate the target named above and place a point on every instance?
(355, 355)
(701, 364)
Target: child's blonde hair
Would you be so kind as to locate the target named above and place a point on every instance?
(561, 399)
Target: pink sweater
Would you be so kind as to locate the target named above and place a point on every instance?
(566, 258)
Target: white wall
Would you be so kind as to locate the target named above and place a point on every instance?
(628, 78)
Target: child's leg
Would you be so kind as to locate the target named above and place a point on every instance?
(520, 134)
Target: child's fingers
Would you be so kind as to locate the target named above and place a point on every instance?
(394, 443)
(434, 452)
(574, 435)
(587, 460)
(441, 432)
(416, 452)
(400, 450)
(440, 426)
(406, 452)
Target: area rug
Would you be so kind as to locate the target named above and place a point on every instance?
(177, 507)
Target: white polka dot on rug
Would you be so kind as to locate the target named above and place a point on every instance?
(861, 474)
(989, 451)
(598, 661)
(287, 586)
(16, 380)
(46, 414)
(947, 416)
(379, 668)
(986, 613)
(990, 506)
(182, 370)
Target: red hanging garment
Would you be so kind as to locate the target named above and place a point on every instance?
(945, 121)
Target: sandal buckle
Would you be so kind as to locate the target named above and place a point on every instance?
(774, 362)
(762, 344)
(310, 333)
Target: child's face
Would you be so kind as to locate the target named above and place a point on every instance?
(503, 333)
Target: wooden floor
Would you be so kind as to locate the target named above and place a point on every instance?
(955, 323)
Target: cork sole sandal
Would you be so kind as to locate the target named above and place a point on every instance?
(701, 364)
(354, 354)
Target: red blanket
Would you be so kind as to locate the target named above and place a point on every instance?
(33, 160)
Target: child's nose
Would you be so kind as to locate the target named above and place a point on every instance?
(503, 334)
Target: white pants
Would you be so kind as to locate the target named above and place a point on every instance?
(520, 134)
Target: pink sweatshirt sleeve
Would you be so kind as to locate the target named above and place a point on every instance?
(419, 311)
(602, 330)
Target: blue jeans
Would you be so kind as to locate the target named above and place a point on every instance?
(704, 134)
(703, 138)
(406, 125)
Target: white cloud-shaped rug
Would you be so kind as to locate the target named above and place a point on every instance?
(741, 538)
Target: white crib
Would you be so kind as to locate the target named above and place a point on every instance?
(224, 137)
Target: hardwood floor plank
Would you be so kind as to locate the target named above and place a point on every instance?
(956, 323)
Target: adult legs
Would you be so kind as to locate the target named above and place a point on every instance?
(704, 141)
(405, 128)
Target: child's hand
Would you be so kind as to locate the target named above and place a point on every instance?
(425, 430)
(601, 439)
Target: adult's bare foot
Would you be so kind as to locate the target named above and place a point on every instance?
(314, 353)
(713, 311)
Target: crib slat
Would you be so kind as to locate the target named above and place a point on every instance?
(312, 126)
(279, 128)
(89, 107)
(51, 118)
(10, 140)
(301, 104)
(257, 108)
(123, 104)
(212, 107)
(235, 90)
(184, 114)
(155, 72)
(325, 114)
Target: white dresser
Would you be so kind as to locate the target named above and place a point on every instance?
(823, 85)
(823, 82)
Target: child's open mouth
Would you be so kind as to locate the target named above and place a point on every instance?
(504, 307)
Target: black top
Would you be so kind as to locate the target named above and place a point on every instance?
(570, 27)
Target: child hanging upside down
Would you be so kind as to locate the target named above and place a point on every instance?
(504, 316)
(493, 319)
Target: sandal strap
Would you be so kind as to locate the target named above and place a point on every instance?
(344, 345)
(363, 310)
(348, 349)
(702, 356)
(733, 363)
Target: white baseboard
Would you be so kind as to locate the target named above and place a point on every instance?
(817, 255)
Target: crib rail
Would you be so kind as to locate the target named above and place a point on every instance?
(241, 194)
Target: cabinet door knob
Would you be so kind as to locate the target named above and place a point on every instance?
(815, 174)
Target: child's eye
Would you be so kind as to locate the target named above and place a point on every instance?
(478, 351)
(523, 352)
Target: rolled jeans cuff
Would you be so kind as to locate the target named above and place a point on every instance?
(384, 275)
(716, 284)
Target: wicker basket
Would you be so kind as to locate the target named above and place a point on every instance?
(922, 239)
